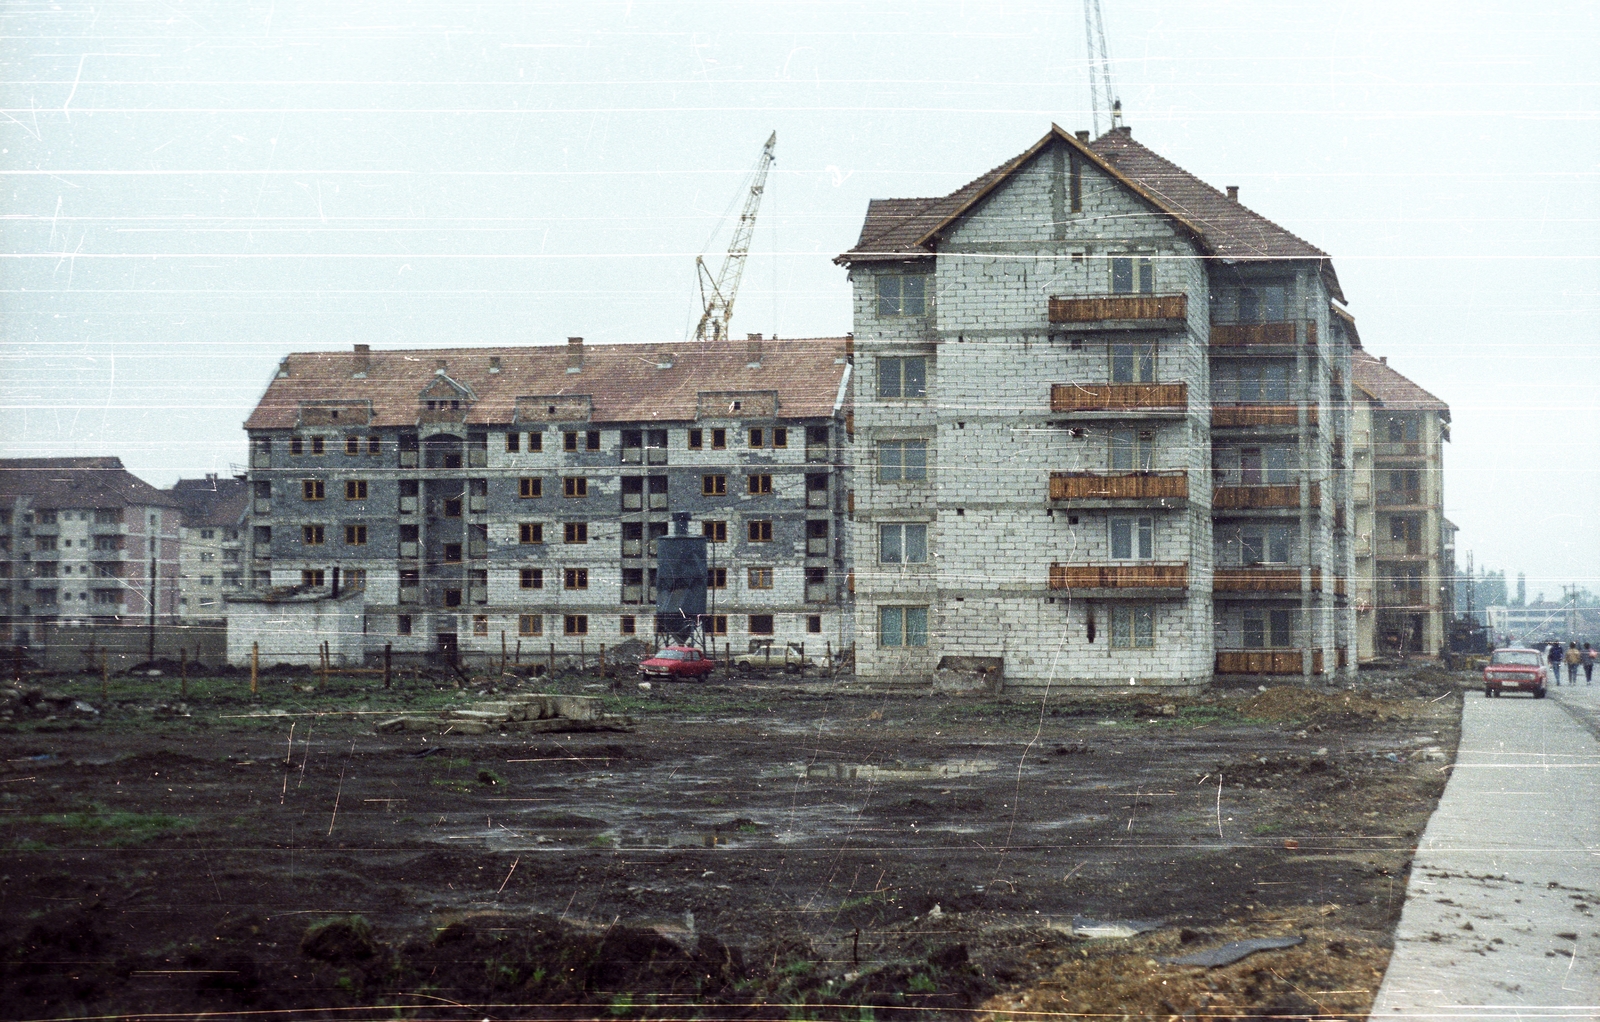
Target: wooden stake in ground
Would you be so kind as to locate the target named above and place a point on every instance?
(388, 651)
(255, 664)
(517, 656)
(502, 654)
(602, 657)
(183, 672)
(327, 656)
(105, 678)
(552, 660)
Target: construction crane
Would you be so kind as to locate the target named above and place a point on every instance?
(717, 294)
(1101, 94)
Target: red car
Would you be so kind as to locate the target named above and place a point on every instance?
(1515, 669)
(677, 662)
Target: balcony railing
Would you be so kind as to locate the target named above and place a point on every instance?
(477, 548)
(816, 546)
(1267, 661)
(408, 505)
(1262, 580)
(633, 594)
(1341, 586)
(633, 455)
(816, 498)
(408, 549)
(1114, 485)
(478, 594)
(408, 594)
(1119, 576)
(1118, 397)
(1393, 449)
(658, 501)
(633, 548)
(1103, 308)
(1224, 416)
(1399, 498)
(632, 501)
(1285, 333)
(1361, 493)
(1243, 498)
(817, 453)
(263, 507)
(1417, 598)
(818, 592)
(655, 455)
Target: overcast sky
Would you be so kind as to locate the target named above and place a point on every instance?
(196, 188)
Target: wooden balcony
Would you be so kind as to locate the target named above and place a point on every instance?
(1341, 588)
(1262, 580)
(1226, 416)
(1119, 576)
(1247, 335)
(1119, 485)
(1267, 661)
(1246, 498)
(1119, 397)
(1133, 310)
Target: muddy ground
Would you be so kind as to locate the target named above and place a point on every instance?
(757, 849)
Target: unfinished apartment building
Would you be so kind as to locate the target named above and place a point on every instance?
(1098, 415)
(84, 542)
(211, 558)
(1404, 546)
(476, 494)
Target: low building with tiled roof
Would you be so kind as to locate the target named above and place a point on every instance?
(1404, 546)
(519, 491)
(1100, 415)
(211, 560)
(85, 542)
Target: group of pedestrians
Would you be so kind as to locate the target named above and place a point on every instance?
(1574, 658)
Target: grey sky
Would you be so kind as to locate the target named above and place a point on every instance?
(195, 189)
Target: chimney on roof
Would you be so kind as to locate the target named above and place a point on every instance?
(1233, 193)
(1083, 136)
(753, 348)
(574, 354)
(439, 366)
(363, 360)
(1384, 359)
(494, 363)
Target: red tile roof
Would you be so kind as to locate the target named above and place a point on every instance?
(54, 484)
(903, 228)
(622, 381)
(1389, 388)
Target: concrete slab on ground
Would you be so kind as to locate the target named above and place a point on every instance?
(1502, 914)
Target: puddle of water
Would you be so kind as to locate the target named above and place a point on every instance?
(871, 772)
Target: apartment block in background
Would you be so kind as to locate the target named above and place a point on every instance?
(211, 557)
(1404, 544)
(1098, 416)
(84, 542)
(519, 492)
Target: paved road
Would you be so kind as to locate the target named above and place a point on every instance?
(1502, 915)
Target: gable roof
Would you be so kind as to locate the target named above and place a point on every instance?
(622, 381)
(53, 484)
(1390, 389)
(906, 228)
(211, 501)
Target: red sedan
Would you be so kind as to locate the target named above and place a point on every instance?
(1516, 669)
(678, 662)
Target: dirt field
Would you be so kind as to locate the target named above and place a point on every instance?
(761, 849)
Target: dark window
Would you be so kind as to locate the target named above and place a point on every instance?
(312, 578)
(569, 442)
(529, 488)
(577, 532)
(697, 439)
(716, 578)
(716, 532)
(577, 624)
(374, 444)
(530, 532)
(1075, 184)
(452, 553)
(760, 485)
(355, 535)
(575, 486)
(719, 439)
(402, 624)
(758, 437)
(814, 624)
(535, 441)
(297, 445)
(713, 486)
(311, 489)
(575, 578)
(513, 442)
(760, 531)
(312, 535)
(530, 624)
(452, 507)
(352, 445)
(780, 436)
(628, 624)
(355, 489)
(591, 440)
(760, 624)
(452, 597)
(532, 578)
(317, 444)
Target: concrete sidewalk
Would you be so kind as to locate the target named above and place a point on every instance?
(1502, 914)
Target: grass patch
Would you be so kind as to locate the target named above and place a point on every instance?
(114, 827)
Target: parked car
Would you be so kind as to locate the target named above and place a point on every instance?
(767, 658)
(1521, 670)
(680, 662)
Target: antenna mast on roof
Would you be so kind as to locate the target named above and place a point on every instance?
(717, 295)
(1101, 95)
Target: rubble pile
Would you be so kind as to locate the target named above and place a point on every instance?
(521, 712)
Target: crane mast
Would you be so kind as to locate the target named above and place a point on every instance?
(717, 294)
(1102, 97)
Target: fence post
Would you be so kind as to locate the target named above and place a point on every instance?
(183, 672)
(552, 660)
(255, 664)
(502, 654)
(388, 652)
(518, 654)
(581, 656)
(327, 657)
(105, 678)
(602, 656)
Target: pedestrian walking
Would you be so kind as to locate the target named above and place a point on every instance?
(1589, 657)
(1573, 659)
(1552, 656)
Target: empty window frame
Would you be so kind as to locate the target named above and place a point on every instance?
(905, 376)
(1133, 626)
(627, 624)
(513, 443)
(1263, 304)
(569, 442)
(452, 507)
(780, 436)
(312, 489)
(374, 444)
(697, 439)
(903, 543)
(402, 624)
(591, 440)
(1132, 275)
(480, 624)
(575, 532)
(1133, 363)
(1133, 538)
(760, 485)
(759, 530)
(814, 624)
(902, 626)
(355, 489)
(760, 624)
(1263, 544)
(713, 485)
(352, 444)
(574, 486)
(1269, 629)
(719, 439)
(531, 578)
(318, 444)
(759, 577)
(1132, 450)
(903, 294)
(535, 442)
(355, 535)
(530, 624)
(575, 578)
(758, 437)
(530, 488)
(452, 553)
(902, 461)
(715, 624)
